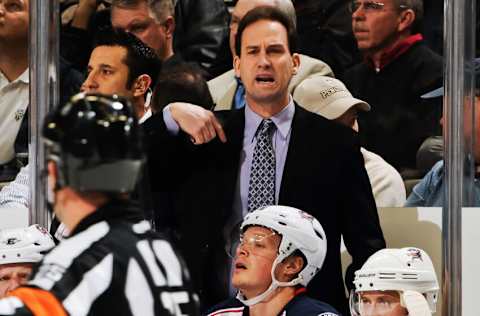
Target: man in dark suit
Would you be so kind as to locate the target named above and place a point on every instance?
(317, 166)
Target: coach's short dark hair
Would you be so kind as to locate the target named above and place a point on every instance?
(268, 13)
(183, 82)
(140, 58)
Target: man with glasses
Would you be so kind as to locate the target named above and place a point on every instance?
(195, 29)
(281, 249)
(411, 287)
(397, 70)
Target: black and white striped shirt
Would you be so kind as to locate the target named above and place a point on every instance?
(109, 266)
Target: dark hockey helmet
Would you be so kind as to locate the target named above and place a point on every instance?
(96, 142)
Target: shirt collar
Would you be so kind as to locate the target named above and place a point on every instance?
(282, 120)
(395, 51)
(24, 78)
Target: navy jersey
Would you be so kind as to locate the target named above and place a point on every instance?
(300, 305)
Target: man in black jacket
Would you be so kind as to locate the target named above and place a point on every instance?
(397, 70)
(317, 166)
(194, 31)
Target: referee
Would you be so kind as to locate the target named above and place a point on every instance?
(112, 263)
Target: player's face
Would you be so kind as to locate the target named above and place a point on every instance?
(254, 259)
(266, 65)
(14, 20)
(140, 22)
(12, 276)
(381, 303)
(107, 72)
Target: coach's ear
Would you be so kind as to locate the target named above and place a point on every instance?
(236, 66)
(142, 83)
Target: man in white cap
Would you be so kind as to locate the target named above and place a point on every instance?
(330, 98)
(20, 249)
(395, 282)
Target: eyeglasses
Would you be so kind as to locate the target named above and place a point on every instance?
(370, 6)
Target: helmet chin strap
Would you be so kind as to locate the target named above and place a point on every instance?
(273, 286)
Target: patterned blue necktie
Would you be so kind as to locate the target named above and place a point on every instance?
(261, 188)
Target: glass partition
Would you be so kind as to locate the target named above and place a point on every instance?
(44, 58)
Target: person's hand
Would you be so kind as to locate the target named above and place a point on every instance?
(200, 124)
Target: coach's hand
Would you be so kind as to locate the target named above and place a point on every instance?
(200, 124)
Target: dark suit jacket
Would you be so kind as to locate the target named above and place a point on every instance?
(323, 175)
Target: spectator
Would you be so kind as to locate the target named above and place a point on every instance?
(325, 32)
(431, 190)
(181, 83)
(151, 21)
(281, 248)
(228, 90)
(397, 70)
(20, 249)
(201, 34)
(330, 98)
(120, 63)
(112, 263)
(14, 85)
(201, 27)
(241, 171)
(396, 295)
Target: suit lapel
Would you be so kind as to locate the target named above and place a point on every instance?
(297, 150)
(234, 125)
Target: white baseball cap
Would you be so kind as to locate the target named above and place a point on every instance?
(326, 96)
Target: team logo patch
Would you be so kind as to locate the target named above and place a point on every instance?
(327, 314)
(414, 253)
(41, 229)
(12, 241)
(19, 115)
(306, 216)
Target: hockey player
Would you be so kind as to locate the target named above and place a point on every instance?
(281, 249)
(20, 249)
(395, 282)
(112, 263)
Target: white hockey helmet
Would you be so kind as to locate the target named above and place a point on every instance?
(299, 231)
(405, 270)
(24, 245)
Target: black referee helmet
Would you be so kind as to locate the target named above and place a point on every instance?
(96, 143)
